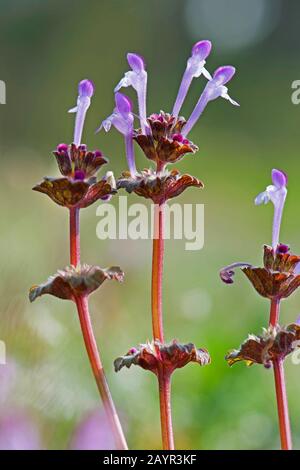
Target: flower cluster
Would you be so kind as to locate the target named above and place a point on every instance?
(276, 280)
(78, 187)
(163, 136)
(164, 140)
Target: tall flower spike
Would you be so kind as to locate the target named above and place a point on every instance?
(85, 92)
(276, 193)
(137, 78)
(214, 89)
(194, 68)
(122, 119)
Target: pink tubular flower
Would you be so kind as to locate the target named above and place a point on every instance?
(93, 433)
(85, 92)
(17, 432)
(194, 68)
(122, 119)
(137, 78)
(156, 131)
(214, 89)
(276, 193)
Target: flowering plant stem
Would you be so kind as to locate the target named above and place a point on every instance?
(281, 395)
(164, 378)
(89, 339)
(74, 237)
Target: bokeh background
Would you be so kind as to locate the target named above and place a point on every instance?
(46, 388)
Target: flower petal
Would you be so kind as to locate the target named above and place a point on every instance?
(262, 198)
(279, 178)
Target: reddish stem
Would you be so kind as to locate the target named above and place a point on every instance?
(164, 384)
(157, 273)
(164, 379)
(95, 361)
(74, 236)
(274, 311)
(282, 405)
(160, 166)
(89, 339)
(280, 388)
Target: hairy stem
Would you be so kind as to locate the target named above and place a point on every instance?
(164, 380)
(89, 339)
(280, 388)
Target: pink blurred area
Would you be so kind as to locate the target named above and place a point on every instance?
(18, 432)
(92, 433)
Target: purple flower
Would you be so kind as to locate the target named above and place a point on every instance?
(17, 432)
(8, 374)
(137, 78)
(93, 433)
(276, 193)
(227, 273)
(214, 89)
(194, 68)
(85, 92)
(122, 119)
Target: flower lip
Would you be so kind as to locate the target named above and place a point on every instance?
(224, 74)
(123, 104)
(86, 88)
(279, 178)
(227, 273)
(136, 62)
(202, 49)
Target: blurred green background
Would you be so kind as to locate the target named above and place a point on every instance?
(46, 47)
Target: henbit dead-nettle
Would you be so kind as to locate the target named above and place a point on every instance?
(76, 189)
(276, 280)
(163, 137)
